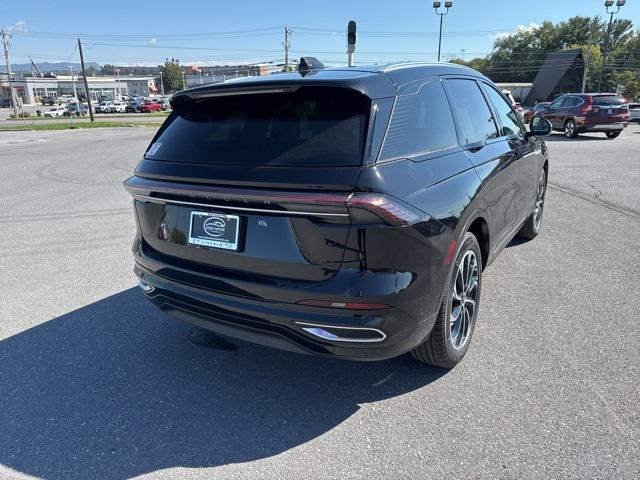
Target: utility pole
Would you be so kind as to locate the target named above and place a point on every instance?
(86, 84)
(5, 44)
(287, 46)
(586, 63)
(161, 84)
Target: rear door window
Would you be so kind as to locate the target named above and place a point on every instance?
(421, 123)
(474, 115)
(571, 102)
(310, 126)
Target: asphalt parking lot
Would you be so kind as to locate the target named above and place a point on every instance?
(97, 383)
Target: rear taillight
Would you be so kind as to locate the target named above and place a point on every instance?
(587, 106)
(369, 207)
(363, 208)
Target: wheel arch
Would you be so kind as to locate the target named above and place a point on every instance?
(480, 229)
(478, 224)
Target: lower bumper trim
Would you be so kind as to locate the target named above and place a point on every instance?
(344, 334)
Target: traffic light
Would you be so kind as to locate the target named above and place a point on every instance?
(351, 33)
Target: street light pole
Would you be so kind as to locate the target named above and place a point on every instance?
(607, 40)
(436, 7)
(73, 81)
(161, 84)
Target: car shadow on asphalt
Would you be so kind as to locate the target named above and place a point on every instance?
(117, 389)
(516, 242)
(559, 137)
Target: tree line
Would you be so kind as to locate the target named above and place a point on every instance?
(517, 57)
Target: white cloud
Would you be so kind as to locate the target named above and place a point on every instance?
(521, 28)
(153, 41)
(18, 27)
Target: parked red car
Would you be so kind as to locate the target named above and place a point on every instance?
(576, 113)
(149, 107)
(529, 113)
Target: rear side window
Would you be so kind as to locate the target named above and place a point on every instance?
(608, 100)
(572, 102)
(473, 112)
(420, 123)
(311, 126)
(508, 117)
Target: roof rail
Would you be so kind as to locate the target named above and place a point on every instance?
(405, 65)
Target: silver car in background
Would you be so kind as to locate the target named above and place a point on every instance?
(634, 112)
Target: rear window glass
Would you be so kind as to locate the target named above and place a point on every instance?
(421, 122)
(310, 126)
(607, 100)
(634, 106)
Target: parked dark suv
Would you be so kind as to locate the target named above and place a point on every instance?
(576, 113)
(347, 212)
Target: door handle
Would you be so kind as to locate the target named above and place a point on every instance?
(476, 146)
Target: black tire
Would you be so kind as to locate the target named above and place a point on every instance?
(531, 228)
(570, 129)
(439, 348)
(615, 134)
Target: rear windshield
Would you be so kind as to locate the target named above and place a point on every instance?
(634, 106)
(608, 100)
(310, 126)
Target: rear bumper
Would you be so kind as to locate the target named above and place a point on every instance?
(603, 127)
(281, 324)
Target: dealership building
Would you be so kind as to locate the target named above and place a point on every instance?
(30, 89)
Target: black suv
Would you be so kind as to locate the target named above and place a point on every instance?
(346, 212)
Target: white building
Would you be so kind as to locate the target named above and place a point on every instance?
(143, 86)
(30, 90)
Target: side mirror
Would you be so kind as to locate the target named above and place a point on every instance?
(539, 127)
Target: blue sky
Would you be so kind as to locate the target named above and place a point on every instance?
(145, 32)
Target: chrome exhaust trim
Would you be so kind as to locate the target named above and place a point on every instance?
(145, 287)
(332, 333)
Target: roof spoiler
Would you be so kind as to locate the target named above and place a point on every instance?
(308, 64)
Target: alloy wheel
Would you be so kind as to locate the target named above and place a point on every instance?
(537, 213)
(569, 128)
(464, 300)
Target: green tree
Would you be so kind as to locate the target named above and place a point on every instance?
(459, 61)
(172, 72)
(593, 59)
(631, 83)
(108, 69)
(518, 56)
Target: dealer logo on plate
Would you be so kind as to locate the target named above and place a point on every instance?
(214, 227)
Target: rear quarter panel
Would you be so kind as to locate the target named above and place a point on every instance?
(446, 187)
